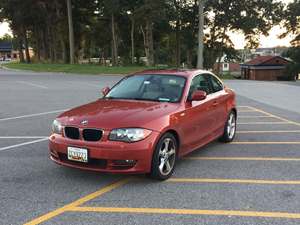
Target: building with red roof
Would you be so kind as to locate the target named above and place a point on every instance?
(264, 68)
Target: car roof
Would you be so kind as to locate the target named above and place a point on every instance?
(179, 72)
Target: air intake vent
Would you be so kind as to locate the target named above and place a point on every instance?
(72, 133)
(92, 134)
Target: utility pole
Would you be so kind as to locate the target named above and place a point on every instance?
(71, 32)
(200, 34)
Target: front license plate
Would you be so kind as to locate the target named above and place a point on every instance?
(78, 154)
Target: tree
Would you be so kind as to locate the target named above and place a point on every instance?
(292, 25)
(149, 13)
(252, 18)
(292, 22)
(71, 32)
(165, 31)
(200, 35)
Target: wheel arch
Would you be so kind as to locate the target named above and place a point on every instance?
(235, 111)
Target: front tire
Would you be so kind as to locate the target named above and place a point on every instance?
(164, 157)
(230, 128)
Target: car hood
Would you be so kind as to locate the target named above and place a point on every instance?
(110, 114)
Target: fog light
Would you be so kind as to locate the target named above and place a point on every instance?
(54, 153)
(127, 162)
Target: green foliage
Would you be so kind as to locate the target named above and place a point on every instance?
(165, 30)
(292, 21)
(293, 69)
(6, 37)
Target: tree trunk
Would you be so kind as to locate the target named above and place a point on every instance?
(200, 35)
(71, 32)
(150, 44)
(20, 47)
(145, 45)
(38, 44)
(28, 60)
(132, 41)
(64, 50)
(189, 56)
(220, 52)
(114, 41)
(177, 35)
(177, 48)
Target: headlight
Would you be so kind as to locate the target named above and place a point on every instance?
(129, 134)
(57, 127)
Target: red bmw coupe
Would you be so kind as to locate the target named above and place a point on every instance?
(145, 123)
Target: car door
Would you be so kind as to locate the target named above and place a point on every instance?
(199, 120)
(219, 96)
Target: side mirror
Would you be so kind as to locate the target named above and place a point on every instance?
(105, 91)
(199, 96)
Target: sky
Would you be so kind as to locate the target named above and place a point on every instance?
(238, 39)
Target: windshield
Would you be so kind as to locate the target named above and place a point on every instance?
(162, 88)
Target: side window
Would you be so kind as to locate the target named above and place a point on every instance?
(200, 83)
(215, 84)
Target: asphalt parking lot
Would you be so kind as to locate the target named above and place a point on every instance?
(254, 180)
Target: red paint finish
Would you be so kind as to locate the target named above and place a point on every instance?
(195, 124)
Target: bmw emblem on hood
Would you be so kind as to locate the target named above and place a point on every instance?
(84, 122)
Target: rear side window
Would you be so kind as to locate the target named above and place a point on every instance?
(216, 85)
(200, 83)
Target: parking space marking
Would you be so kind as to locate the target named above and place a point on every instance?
(262, 123)
(23, 137)
(32, 84)
(278, 117)
(243, 106)
(267, 131)
(244, 158)
(23, 144)
(78, 202)
(249, 117)
(246, 110)
(33, 115)
(232, 181)
(265, 143)
(188, 212)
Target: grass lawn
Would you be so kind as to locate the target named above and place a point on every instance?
(227, 77)
(86, 69)
(77, 69)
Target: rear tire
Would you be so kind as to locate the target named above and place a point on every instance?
(230, 128)
(164, 157)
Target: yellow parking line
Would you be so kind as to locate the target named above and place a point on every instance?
(232, 181)
(243, 158)
(265, 143)
(188, 212)
(78, 202)
(244, 106)
(262, 123)
(246, 110)
(278, 117)
(266, 131)
(248, 117)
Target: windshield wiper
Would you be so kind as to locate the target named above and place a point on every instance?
(139, 99)
(147, 99)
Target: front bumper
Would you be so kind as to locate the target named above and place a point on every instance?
(105, 155)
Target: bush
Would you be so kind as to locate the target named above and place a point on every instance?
(291, 72)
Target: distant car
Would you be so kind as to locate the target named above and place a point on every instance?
(145, 123)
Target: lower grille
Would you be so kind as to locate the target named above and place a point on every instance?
(72, 133)
(94, 163)
(92, 134)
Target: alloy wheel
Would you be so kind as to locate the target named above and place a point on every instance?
(167, 156)
(231, 126)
